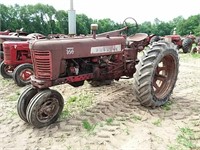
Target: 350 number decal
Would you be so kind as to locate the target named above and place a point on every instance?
(70, 51)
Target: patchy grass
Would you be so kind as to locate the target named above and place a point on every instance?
(167, 106)
(109, 121)
(89, 127)
(189, 57)
(185, 136)
(4, 82)
(157, 122)
(184, 140)
(65, 113)
(14, 96)
(195, 55)
(12, 113)
(127, 131)
(136, 118)
(77, 104)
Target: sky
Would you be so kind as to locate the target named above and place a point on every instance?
(118, 10)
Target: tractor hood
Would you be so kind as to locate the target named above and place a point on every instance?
(13, 38)
(79, 47)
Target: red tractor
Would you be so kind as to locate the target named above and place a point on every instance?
(4, 38)
(17, 59)
(17, 62)
(196, 48)
(6, 32)
(184, 43)
(97, 58)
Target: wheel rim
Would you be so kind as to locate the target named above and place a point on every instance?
(164, 77)
(25, 75)
(48, 110)
(7, 70)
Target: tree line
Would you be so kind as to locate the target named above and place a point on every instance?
(45, 19)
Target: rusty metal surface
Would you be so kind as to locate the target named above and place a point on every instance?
(137, 37)
(164, 72)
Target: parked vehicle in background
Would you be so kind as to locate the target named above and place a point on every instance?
(17, 62)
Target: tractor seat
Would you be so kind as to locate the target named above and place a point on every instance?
(137, 37)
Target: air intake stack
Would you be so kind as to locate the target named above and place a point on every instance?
(71, 20)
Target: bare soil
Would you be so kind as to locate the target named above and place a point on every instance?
(110, 117)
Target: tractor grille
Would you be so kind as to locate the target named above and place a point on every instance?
(42, 64)
(7, 51)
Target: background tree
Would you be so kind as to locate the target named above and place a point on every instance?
(61, 22)
(46, 19)
(4, 15)
(83, 24)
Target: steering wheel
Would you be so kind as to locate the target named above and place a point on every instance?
(130, 25)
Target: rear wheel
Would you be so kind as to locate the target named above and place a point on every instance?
(156, 74)
(187, 45)
(44, 108)
(24, 100)
(22, 74)
(5, 70)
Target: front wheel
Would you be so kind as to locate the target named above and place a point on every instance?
(5, 70)
(44, 108)
(24, 100)
(156, 74)
(22, 74)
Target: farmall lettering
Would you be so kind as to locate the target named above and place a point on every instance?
(70, 51)
(105, 49)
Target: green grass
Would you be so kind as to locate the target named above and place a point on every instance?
(184, 140)
(185, 136)
(65, 113)
(14, 96)
(167, 106)
(189, 56)
(77, 104)
(12, 113)
(157, 122)
(127, 131)
(89, 127)
(81, 101)
(4, 82)
(136, 118)
(109, 121)
(195, 55)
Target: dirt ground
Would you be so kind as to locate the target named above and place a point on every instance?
(109, 117)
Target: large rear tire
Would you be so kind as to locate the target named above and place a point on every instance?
(187, 45)
(156, 74)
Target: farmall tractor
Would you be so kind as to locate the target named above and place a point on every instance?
(17, 58)
(22, 37)
(6, 32)
(184, 43)
(196, 48)
(17, 62)
(96, 58)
